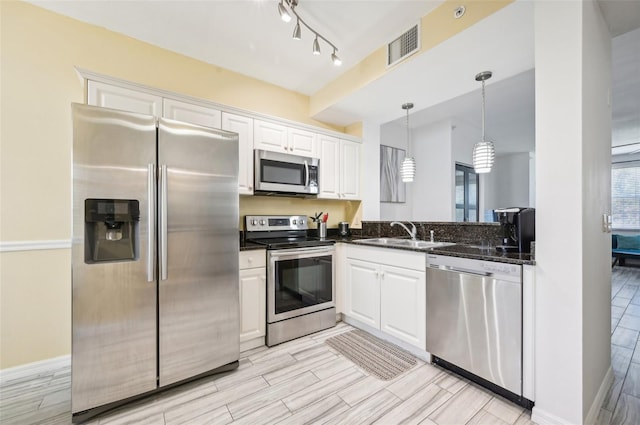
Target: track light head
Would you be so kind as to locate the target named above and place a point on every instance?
(316, 46)
(284, 14)
(335, 59)
(297, 35)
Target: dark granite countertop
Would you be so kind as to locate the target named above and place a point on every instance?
(250, 246)
(459, 250)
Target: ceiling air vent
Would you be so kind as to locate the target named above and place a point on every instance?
(403, 46)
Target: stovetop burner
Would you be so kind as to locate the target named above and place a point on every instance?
(281, 232)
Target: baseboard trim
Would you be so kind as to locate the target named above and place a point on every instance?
(542, 417)
(17, 246)
(592, 416)
(28, 369)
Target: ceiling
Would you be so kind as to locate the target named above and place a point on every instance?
(247, 36)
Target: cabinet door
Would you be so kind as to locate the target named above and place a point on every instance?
(114, 97)
(349, 170)
(253, 302)
(188, 112)
(302, 142)
(329, 167)
(362, 295)
(270, 136)
(403, 303)
(244, 127)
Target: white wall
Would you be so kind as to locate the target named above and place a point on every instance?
(507, 185)
(370, 184)
(572, 270)
(433, 188)
(596, 201)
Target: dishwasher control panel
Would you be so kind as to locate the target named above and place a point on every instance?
(503, 271)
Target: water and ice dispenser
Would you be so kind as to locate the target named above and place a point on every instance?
(111, 230)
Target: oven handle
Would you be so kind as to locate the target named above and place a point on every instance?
(301, 251)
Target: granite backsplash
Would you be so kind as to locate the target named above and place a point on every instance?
(469, 233)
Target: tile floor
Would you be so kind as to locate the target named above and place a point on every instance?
(302, 381)
(622, 404)
(305, 381)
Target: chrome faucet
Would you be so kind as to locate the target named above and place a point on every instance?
(411, 232)
(431, 234)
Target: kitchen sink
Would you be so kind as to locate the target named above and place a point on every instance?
(391, 242)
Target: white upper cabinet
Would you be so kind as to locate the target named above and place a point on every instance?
(349, 170)
(329, 147)
(124, 99)
(244, 127)
(270, 136)
(275, 137)
(194, 114)
(339, 168)
(302, 142)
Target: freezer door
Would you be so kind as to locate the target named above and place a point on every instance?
(199, 247)
(114, 345)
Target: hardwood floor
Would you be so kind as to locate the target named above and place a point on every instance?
(302, 381)
(622, 404)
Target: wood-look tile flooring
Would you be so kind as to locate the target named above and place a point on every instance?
(622, 403)
(299, 382)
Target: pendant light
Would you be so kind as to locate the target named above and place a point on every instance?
(483, 152)
(408, 169)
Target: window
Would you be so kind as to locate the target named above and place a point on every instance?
(625, 195)
(467, 189)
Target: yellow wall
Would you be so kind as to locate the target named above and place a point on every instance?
(39, 50)
(338, 211)
(436, 27)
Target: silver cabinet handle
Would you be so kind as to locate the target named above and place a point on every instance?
(163, 222)
(306, 173)
(151, 221)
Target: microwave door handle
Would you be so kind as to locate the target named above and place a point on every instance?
(306, 173)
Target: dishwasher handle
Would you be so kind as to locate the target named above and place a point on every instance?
(461, 270)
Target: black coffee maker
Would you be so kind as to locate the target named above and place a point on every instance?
(518, 228)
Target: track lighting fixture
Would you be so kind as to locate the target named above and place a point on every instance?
(284, 15)
(296, 31)
(297, 35)
(336, 60)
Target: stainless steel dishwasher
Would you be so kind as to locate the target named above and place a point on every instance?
(474, 321)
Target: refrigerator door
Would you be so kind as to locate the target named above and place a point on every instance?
(199, 247)
(114, 345)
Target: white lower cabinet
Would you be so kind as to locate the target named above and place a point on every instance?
(403, 308)
(386, 289)
(362, 301)
(253, 299)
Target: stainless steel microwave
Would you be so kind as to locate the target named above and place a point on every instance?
(286, 174)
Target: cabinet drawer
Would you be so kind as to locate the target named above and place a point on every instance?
(252, 259)
(388, 256)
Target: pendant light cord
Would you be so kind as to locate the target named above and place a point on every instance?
(408, 138)
(483, 139)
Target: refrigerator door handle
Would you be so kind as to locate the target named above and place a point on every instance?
(163, 222)
(151, 220)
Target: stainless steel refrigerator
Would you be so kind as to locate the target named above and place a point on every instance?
(154, 255)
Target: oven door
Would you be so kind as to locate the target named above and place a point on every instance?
(299, 281)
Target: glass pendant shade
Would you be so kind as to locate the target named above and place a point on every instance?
(483, 156)
(316, 46)
(408, 170)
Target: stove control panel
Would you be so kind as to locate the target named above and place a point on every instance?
(265, 223)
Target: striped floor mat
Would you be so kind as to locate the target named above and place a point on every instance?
(380, 358)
